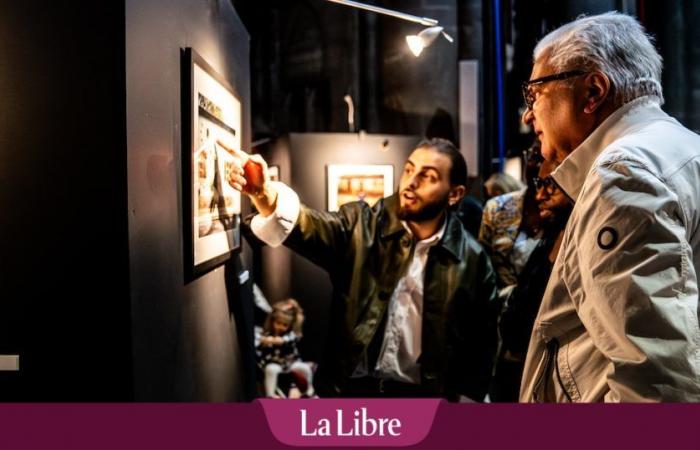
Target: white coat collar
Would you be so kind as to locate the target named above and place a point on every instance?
(572, 172)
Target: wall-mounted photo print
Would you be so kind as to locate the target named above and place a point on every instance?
(211, 114)
(352, 182)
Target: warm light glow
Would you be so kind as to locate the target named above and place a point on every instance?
(415, 43)
(425, 38)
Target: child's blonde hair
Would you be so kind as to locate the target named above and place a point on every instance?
(288, 309)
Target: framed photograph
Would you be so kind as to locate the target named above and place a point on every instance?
(274, 171)
(352, 182)
(211, 113)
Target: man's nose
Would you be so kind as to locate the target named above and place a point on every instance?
(413, 181)
(540, 195)
(527, 116)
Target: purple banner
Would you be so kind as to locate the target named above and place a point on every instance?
(242, 426)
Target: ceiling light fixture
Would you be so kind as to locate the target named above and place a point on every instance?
(426, 37)
(416, 43)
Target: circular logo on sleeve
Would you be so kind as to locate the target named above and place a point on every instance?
(607, 238)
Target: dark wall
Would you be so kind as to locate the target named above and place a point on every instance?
(187, 337)
(308, 54)
(308, 155)
(305, 57)
(64, 279)
(674, 25)
(276, 283)
(417, 91)
(525, 22)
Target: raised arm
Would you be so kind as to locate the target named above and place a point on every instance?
(320, 236)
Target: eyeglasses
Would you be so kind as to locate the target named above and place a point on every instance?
(529, 96)
(546, 183)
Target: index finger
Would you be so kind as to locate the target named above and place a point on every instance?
(234, 151)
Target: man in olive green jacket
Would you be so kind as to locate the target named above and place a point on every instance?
(414, 304)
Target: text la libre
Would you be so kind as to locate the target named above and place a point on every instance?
(360, 425)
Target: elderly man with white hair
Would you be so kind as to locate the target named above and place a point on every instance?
(619, 318)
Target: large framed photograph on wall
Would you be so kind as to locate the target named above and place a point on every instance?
(211, 113)
(353, 182)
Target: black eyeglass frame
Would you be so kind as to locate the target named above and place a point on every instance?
(530, 98)
(547, 183)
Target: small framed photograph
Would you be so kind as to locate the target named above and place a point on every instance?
(211, 113)
(353, 182)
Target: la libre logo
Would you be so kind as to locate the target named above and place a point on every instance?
(359, 424)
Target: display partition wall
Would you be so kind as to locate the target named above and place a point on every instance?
(93, 294)
(191, 275)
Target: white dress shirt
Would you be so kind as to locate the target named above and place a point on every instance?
(401, 348)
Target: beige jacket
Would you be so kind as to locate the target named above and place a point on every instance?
(619, 319)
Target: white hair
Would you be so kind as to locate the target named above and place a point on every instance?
(613, 43)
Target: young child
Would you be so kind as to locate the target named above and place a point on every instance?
(277, 346)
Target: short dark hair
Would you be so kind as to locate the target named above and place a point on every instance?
(458, 170)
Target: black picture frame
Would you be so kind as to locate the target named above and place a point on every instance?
(210, 107)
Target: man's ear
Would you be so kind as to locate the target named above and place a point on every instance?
(456, 194)
(598, 89)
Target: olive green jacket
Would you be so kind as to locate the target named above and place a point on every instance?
(366, 250)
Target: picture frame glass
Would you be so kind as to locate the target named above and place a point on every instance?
(352, 182)
(214, 116)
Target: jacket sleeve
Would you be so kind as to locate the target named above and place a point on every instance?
(482, 336)
(634, 262)
(323, 237)
(319, 236)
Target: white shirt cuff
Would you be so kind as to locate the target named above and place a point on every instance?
(274, 229)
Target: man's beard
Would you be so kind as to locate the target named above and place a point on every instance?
(427, 211)
(557, 221)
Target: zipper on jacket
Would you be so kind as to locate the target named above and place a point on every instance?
(541, 382)
(551, 362)
(556, 368)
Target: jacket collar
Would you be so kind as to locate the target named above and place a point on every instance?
(391, 224)
(572, 172)
(452, 239)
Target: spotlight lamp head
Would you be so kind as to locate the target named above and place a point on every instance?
(416, 43)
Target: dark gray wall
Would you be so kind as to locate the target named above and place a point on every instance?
(64, 279)
(305, 57)
(417, 92)
(190, 340)
(308, 154)
(674, 24)
(276, 283)
(307, 54)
